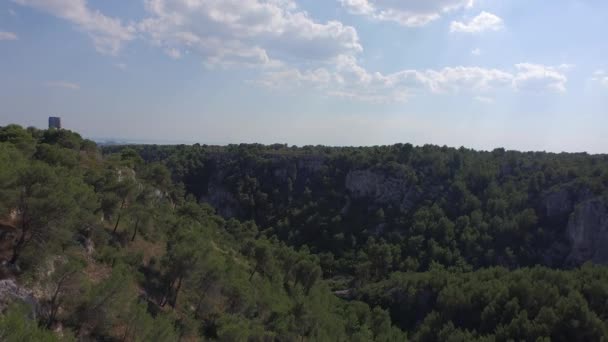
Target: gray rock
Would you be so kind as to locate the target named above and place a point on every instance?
(311, 164)
(588, 232)
(223, 200)
(10, 291)
(380, 188)
(558, 203)
(344, 294)
(281, 174)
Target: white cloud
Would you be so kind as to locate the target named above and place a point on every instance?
(538, 77)
(63, 84)
(173, 53)
(224, 33)
(484, 99)
(291, 49)
(566, 66)
(476, 52)
(349, 80)
(601, 77)
(108, 34)
(455, 79)
(246, 32)
(483, 22)
(411, 13)
(8, 36)
(121, 66)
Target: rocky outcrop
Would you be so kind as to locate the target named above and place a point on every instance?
(311, 164)
(223, 200)
(381, 188)
(10, 291)
(588, 232)
(274, 172)
(558, 204)
(303, 173)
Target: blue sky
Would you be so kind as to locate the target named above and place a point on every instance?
(520, 74)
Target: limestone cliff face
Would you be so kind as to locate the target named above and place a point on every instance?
(381, 188)
(277, 172)
(558, 204)
(11, 291)
(298, 173)
(223, 200)
(588, 232)
(277, 182)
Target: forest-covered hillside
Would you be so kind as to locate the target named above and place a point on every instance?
(107, 248)
(277, 243)
(419, 206)
(412, 228)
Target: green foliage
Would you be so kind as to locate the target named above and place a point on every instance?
(62, 138)
(525, 304)
(458, 211)
(57, 156)
(51, 205)
(62, 281)
(16, 325)
(459, 208)
(19, 138)
(118, 248)
(108, 243)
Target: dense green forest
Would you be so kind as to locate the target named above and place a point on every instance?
(107, 248)
(375, 210)
(278, 243)
(413, 229)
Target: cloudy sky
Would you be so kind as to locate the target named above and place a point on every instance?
(522, 74)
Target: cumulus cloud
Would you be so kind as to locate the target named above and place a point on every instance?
(291, 49)
(483, 22)
(224, 33)
(484, 99)
(566, 66)
(411, 13)
(173, 53)
(350, 80)
(537, 77)
(476, 52)
(108, 34)
(8, 35)
(601, 77)
(63, 84)
(246, 32)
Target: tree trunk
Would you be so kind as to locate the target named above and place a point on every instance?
(126, 334)
(179, 285)
(24, 229)
(17, 247)
(199, 303)
(54, 309)
(122, 205)
(135, 230)
(54, 303)
(165, 298)
(117, 222)
(201, 296)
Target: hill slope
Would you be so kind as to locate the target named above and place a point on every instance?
(107, 248)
